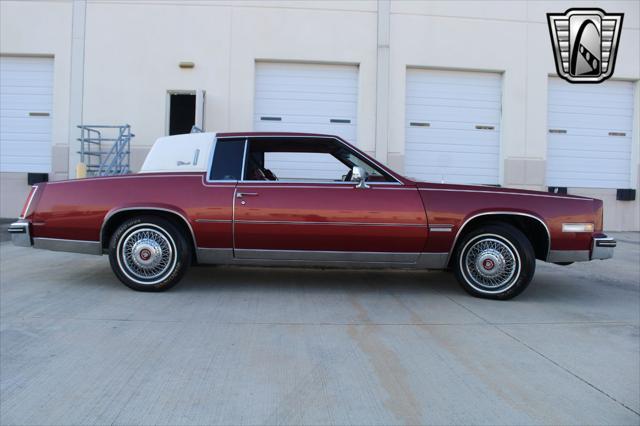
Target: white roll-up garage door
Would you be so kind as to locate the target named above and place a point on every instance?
(589, 139)
(453, 126)
(311, 98)
(26, 99)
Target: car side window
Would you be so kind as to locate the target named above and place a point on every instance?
(305, 166)
(227, 160)
(305, 159)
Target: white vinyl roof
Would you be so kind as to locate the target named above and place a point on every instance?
(180, 153)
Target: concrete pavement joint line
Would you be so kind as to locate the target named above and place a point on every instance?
(496, 326)
(568, 371)
(455, 324)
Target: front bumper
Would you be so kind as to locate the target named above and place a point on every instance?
(602, 247)
(20, 233)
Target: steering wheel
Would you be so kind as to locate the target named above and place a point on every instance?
(348, 176)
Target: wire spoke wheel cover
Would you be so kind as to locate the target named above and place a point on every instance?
(490, 263)
(146, 254)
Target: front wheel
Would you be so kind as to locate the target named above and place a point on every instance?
(495, 261)
(149, 253)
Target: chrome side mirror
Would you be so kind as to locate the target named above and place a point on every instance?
(360, 175)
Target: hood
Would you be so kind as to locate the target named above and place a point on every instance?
(493, 189)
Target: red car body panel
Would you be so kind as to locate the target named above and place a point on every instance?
(383, 218)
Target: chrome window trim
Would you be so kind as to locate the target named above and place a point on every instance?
(207, 172)
(346, 145)
(114, 212)
(508, 213)
(244, 159)
(312, 182)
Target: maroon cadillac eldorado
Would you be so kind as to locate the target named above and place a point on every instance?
(304, 200)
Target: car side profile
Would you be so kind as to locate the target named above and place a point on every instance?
(298, 199)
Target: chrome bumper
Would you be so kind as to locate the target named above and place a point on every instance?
(602, 247)
(20, 234)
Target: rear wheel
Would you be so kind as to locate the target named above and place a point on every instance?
(149, 253)
(495, 261)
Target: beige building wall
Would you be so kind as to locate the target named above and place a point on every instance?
(132, 51)
(39, 29)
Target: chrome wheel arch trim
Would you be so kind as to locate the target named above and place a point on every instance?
(112, 213)
(503, 213)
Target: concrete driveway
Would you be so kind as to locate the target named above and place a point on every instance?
(288, 346)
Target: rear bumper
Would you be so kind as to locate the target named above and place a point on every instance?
(21, 236)
(602, 247)
(20, 233)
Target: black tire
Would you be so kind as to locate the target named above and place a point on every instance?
(149, 253)
(494, 261)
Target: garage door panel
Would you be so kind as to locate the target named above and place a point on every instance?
(415, 127)
(460, 92)
(449, 145)
(26, 124)
(472, 115)
(457, 102)
(594, 111)
(25, 141)
(575, 144)
(436, 137)
(614, 123)
(306, 95)
(575, 178)
(454, 78)
(26, 90)
(317, 85)
(314, 120)
(455, 159)
(591, 153)
(348, 133)
(443, 110)
(582, 163)
(296, 107)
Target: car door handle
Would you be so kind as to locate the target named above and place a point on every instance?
(246, 194)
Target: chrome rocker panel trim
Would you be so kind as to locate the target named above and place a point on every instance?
(331, 259)
(72, 246)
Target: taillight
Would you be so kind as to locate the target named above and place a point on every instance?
(27, 204)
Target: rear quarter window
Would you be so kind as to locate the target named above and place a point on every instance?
(227, 160)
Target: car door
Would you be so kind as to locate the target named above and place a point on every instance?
(328, 221)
